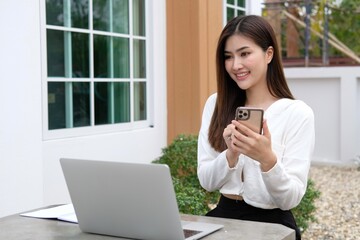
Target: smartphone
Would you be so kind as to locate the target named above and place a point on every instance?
(250, 117)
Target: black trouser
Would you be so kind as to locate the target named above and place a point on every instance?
(228, 208)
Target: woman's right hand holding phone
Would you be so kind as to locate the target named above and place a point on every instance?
(233, 152)
(242, 140)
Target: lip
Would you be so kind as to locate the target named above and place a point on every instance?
(242, 75)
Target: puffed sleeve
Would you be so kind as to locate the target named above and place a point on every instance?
(213, 169)
(286, 182)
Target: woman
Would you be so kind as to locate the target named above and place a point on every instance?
(260, 176)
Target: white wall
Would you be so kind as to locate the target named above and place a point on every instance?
(30, 174)
(255, 7)
(20, 105)
(334, 95)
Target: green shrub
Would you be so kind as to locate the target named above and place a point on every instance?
(304, 212)
(181, 157)
(190, 199)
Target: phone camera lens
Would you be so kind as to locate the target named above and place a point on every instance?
(243, 114)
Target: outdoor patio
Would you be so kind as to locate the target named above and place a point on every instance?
(338, 208)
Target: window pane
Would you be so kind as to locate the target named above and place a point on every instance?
(139, 17)
(112, 102)
(68, 104)
(139, 101)
(139, 58)
(241, 3)
(102, 61)
(60, 46)
(121, 16)
(240, 13)
(56, 105)
(80, 55)
(111, 57)
(230, 13)
(121, 58)
(81, 104)
(80, 14)
(111, 15)
(122, 102)
(59, 13)
(230, 2)
(101, 12)
(55, 12)
(55, 53)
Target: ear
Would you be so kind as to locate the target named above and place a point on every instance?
(269, 54)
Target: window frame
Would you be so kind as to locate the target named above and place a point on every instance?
(93, 129)
(235, 7)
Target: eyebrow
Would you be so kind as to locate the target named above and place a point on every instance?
(237, 50)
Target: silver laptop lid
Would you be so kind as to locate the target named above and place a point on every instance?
(133, 200)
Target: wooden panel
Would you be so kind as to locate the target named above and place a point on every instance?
(215, 28)
(180, 28)
(193, 27)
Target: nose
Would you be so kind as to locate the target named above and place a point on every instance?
(237, 63)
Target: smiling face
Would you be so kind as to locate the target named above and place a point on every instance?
(246, 62)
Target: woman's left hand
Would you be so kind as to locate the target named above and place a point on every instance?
(255, 145)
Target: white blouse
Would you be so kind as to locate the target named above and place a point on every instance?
(291, 125)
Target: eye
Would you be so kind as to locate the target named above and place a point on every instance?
(244, 54)
(227, 57)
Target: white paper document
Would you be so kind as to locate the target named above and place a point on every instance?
(64, 212)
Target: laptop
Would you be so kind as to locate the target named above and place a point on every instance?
(131, 200)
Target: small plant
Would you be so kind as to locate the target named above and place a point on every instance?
(304, 212)
(181, 157)
(356, 161)
(190, 199)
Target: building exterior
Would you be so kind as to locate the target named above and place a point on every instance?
(193, 28)
(30, 174)
(61, 99)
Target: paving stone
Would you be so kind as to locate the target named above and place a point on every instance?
(338, 208)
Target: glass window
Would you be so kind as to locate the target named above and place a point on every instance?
(80, 55)
(112, 102)
(111, 57)
(96, 75)
(55, 53)
(139, 17)
(235, 8)
(240, 13)
(68, 13)
(230, 13)
(111, 15)
(68, 104)
(140, 100)
(139, 58)
(67, 54)
(241, 3)
(231, 2)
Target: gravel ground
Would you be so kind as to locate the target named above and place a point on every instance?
(338, 208)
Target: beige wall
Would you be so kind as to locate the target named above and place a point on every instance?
(193, 27)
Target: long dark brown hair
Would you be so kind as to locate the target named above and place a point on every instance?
(229, 95)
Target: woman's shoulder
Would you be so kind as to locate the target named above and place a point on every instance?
(211, 101)
(209, 107)
(295, 106)
(212, 97)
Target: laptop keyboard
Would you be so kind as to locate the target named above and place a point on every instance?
(189, 233)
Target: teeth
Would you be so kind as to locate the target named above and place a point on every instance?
(241, 74)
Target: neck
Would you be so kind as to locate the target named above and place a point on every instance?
(259, 100)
